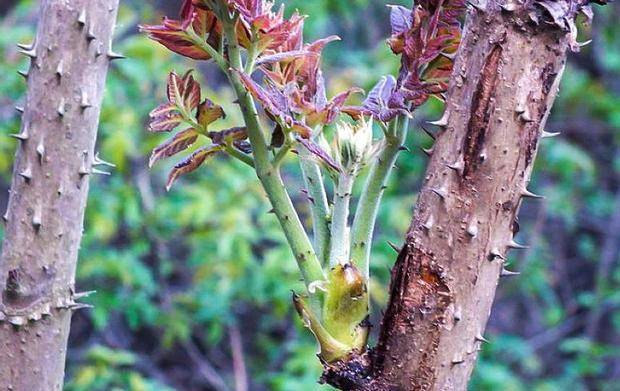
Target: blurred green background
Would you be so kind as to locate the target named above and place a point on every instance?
(194, 286)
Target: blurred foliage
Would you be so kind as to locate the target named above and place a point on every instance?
(175, 272)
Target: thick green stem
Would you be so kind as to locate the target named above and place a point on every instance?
(319, 207)
(269, 175)
(366, 215)
(339, 249)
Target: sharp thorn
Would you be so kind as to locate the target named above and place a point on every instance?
(403, 148)
(428, 151)
(26, 174)
(472, 230)
(394, 247)
(59, 69)
(545, 134)
(82, 18)
(496, 254)
(114, 56)
(528, 194)
(32, 53)
(428, 132)
(61, 108)
(41, 151)
(100, 162)
(429, 223)
(19, 109)
(480, 338)
(441, 192)
(508, 273)
(23, 74)
(442, 122)
(25, 46)
(517, 246)
(36, 219)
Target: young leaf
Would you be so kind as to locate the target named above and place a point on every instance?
(177, 143)
(191, 163)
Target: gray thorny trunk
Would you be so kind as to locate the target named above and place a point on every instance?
(55, 156)
(505, 80)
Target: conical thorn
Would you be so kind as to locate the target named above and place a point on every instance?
(496, 254)
(59, 69)
(394, 247)
(517, 246)
(61, 108)
(41, 151)
(480, 338)
(508, 273)
(528, 194)
(32, 53)
(472, 230)
(545, 134)
(114, 56)
(26, 174)
(82, 18)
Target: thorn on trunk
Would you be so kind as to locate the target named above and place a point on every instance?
(61, 108)
(19, 109)
(40, 151)
(23, 74)
(496, 254)
(472, 230)
(394, 247)
(517, 246)
(545, 134)
(480, 338)
(441, 192)
(59, 69)
(90, 35)
(528, 194)
(429, 223)
(429, 133)
(25, 46)
(32, 53)
(508, 273)
(428, 151)
(26, 174)
(458, 166)
(84, 101)
(82, 18)
(23, 136)
(36, 219)
(114, 56)
(441, 122)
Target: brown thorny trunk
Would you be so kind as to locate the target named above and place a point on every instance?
(443, 283)
(55, 156)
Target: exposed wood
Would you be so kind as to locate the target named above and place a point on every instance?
(54, 160)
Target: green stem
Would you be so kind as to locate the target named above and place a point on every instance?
(215, 55)
(234, 152)
(339, 251)
(269, 175)
(368, 207)
(319, 207)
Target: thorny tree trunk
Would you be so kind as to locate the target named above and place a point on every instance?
(505, 80)
(55, 156)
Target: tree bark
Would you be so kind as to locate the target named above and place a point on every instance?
(505, 80)
(44, 220)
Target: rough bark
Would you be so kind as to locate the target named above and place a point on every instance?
(55, 157)
(443, 283)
